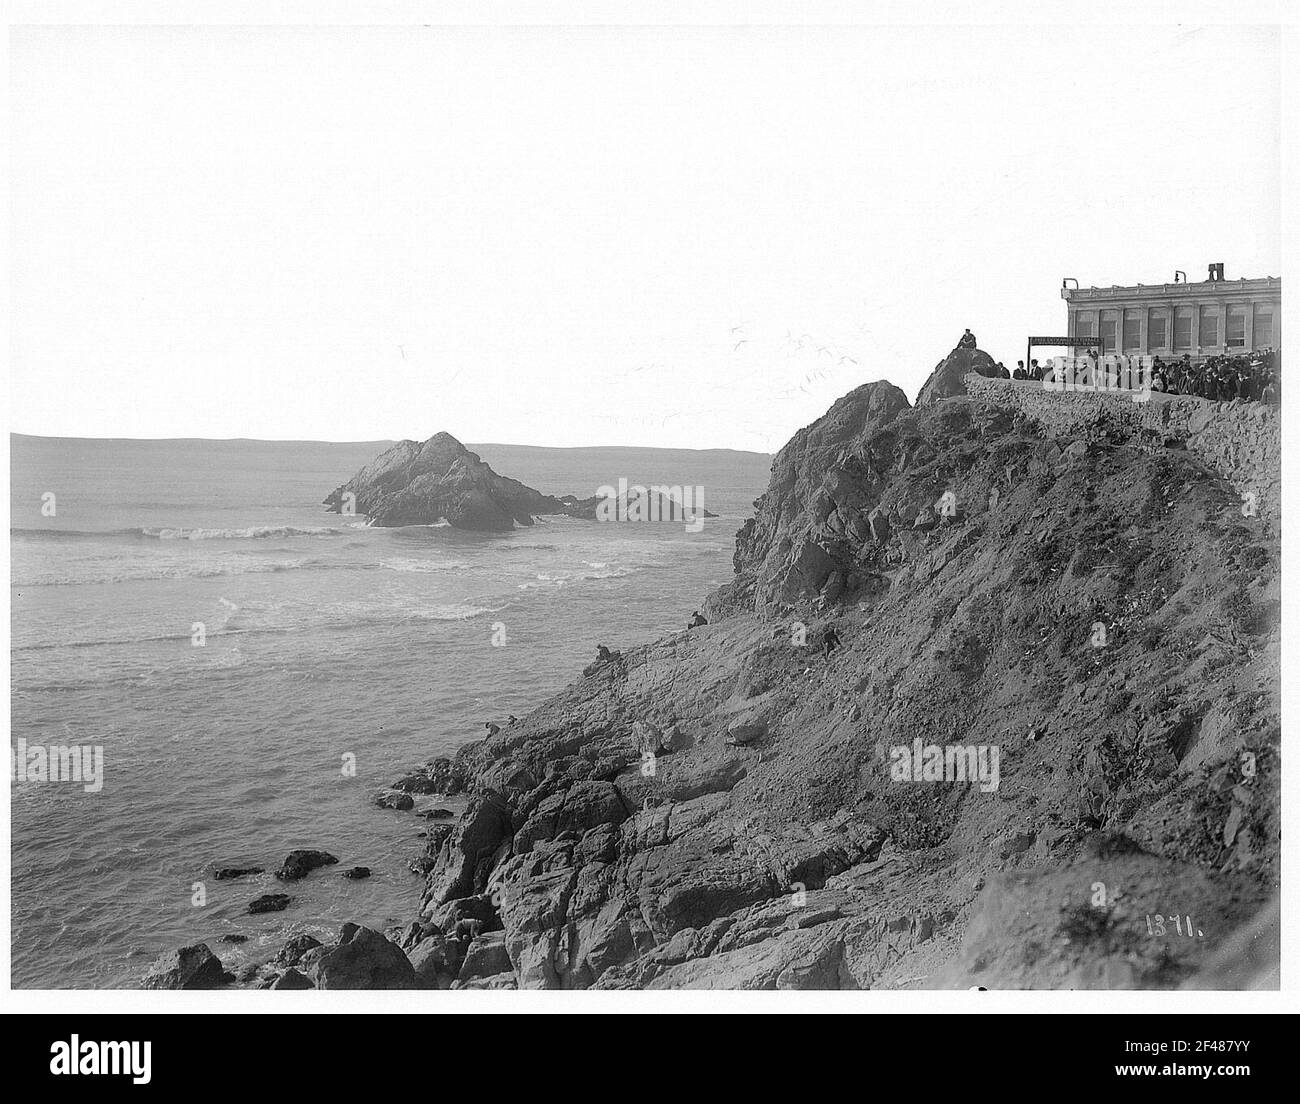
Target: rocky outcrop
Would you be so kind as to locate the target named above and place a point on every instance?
(360, 959)
(416, 483)
(193, 967)
(949, 375)
(822, 488)
(298, 864)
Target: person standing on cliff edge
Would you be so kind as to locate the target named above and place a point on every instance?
(967, 340)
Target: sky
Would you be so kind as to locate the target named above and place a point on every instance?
(688, 237)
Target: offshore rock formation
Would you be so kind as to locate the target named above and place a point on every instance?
(440, 480)
(1100, 612)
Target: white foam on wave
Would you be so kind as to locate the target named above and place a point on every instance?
(252, 532)
(421, 567)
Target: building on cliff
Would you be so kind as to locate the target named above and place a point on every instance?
(1211, 318)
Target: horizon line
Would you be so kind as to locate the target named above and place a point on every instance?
(381, 441)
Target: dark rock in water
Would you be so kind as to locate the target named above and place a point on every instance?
(226, 872)
(291, 979)
(447, 777)
(357, 873)
(362, 959)
(417, 782)
(193, 967)
(298, 864)
(234, 937)
(291, 953)
(269, 902)
(399, 801)
(436, 814)
(417, 483)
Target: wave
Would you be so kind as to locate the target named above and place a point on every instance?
(545, 579)
(163, 638)
(185, 571)
(250, 532)
(422, 567)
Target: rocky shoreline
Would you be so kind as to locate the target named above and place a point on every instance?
(718, 808)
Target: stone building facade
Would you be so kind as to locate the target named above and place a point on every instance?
(1211, 318)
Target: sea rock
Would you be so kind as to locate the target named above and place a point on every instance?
(292, 979)
(417, 782)
(225, 873)
(291, 953)
(298, 864)
(193, 967)
(438, 480)
(362, 959)
(356, 873)
(269, 902)
(390, 800)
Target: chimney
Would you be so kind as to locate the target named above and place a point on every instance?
(1216, 272)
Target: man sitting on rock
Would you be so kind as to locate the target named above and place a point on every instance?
(967, 340)
(697, 619)
(492, 729)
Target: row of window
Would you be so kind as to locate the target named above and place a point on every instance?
(1187, 323)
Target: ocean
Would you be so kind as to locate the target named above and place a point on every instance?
(190, 607)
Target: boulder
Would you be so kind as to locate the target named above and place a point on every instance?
(486, 956)
(269, 902)
(746, 729)
(363, 959)
(298, 864)
(388, 799)
(435, 961)
(291, 953)
(224, 873)
(193, 967)
(356, 873)
(292, 979)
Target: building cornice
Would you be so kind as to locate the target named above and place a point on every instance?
(1206, 289)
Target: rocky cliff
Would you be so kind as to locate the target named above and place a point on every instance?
(1090, 615)
(723, 808)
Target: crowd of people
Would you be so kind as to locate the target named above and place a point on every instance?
(1251, 377)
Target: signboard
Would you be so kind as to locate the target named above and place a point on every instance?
(1085, 340)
